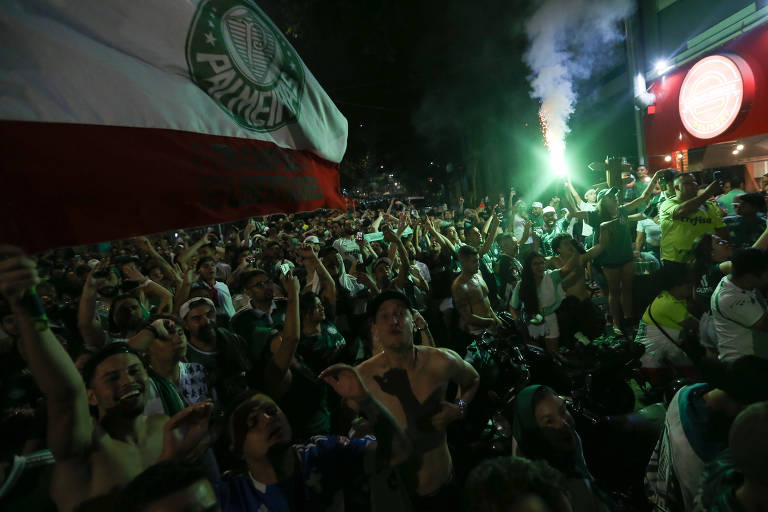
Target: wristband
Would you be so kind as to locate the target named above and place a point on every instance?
(462, 407)
(145, 283)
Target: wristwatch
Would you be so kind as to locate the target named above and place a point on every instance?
(462, 407)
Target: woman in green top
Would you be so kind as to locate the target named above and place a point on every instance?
(617, 260)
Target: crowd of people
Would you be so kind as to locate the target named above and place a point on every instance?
(318, 361)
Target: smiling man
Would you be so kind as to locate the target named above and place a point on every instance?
(411, 381)
(95, 457)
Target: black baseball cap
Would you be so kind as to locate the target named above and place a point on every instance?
(375, 304)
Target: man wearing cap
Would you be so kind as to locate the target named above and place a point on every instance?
(549, 230)
(411, 382)
(95, 457)
(687, 216)
(536, 214)
(696, 430)
(231, 363)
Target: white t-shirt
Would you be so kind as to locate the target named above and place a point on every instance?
(586, 229)
(652, 231)
(735, 311)
(518, 228)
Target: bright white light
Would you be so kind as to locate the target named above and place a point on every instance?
(661, 65)
(381, 167)
(679, 156)
(735, 152)
(557, 164)
(667, 158)
(740, 147)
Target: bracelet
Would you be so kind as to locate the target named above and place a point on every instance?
(462, 407)
(145, 283)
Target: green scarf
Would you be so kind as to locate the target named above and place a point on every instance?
(170, 398)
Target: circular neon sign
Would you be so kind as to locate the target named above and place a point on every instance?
(713, 94)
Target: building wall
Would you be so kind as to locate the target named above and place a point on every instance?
(670, 27)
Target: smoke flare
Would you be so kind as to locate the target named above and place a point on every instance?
(569, 40)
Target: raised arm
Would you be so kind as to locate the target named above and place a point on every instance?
(645, 196)
(186, 255)
(89, 326)
(327, 285)
(149, 287)
(69, 422)
(145, 245)
(392, 444)
(277, 375)
(493, 230)
(693, 204)
(182, 291)
(405, 260)
(760, 243)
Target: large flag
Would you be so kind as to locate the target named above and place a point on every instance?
(122, 117)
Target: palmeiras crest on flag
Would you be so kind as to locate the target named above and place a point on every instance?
(239, 58)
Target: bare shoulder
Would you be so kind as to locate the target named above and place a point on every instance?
(439, 356)
(370, 366)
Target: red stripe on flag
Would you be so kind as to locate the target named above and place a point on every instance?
(71, 184)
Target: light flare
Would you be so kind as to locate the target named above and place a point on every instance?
(554, 140)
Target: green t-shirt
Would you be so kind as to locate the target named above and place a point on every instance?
(320, 352)
(677, 235)
(619, 250)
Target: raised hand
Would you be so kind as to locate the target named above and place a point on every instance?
(17, 273)
(306, 251)
(186, 435)
(390, 237)
(94, 283)
(290, 284)
(132, 273)
(143, 243)
(345, 380)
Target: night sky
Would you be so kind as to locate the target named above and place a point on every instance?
(443, 82)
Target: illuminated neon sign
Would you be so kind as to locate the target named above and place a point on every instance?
(714, 92)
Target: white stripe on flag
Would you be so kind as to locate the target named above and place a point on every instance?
(125, 63)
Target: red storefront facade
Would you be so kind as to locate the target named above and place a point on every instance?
(708, 108)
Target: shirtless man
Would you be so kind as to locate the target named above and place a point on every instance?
(95, 458)
(411, 382)
(470, 295)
